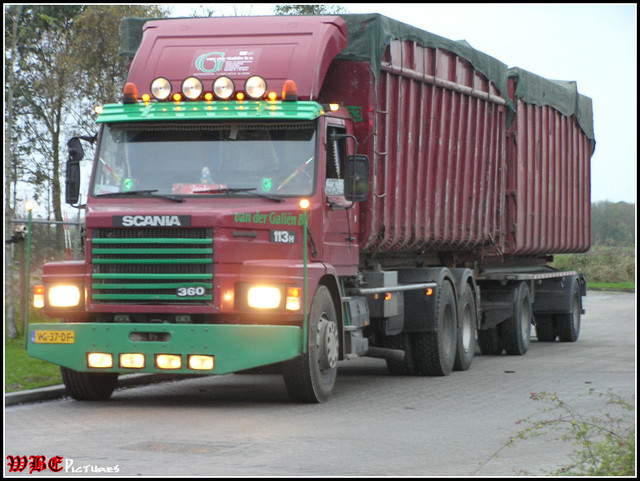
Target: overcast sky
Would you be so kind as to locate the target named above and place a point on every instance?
(593, 44)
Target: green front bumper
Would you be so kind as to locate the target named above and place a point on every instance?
(234, 347)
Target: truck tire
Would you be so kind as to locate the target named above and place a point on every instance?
(435, 351)
(89, 386)
(545, 328)
(310, 377)
(467, 322)
(516, 331)
(568, 325)
(490, 342)
(406, 367)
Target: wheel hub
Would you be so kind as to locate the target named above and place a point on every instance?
(327, 344)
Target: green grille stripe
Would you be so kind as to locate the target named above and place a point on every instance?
(148, 297)
(111, 250)
(151, 261)
(152, 276)
(151, 240)
(168, 285)
(152, 269)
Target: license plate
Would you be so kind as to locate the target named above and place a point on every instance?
(53, 337)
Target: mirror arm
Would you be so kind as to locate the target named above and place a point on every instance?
(333, 137)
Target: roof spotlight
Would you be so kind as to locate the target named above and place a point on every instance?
(255, 87)
(192, 88)
(161, 88)
(223, 88)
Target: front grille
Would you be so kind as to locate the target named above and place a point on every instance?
(152, 266)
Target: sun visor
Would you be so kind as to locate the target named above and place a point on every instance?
(276, 48)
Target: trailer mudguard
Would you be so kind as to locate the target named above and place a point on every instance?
(420, 310)
(555, 295)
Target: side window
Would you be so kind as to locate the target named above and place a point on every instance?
(336, 153)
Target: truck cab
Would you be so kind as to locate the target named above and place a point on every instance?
(220, 202)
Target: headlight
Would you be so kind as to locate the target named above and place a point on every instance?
(192, 88)
(161, 88)
(223, 88)
(64, 296)
(262, 297)
(255, 87)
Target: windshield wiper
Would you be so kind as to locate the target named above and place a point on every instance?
(143, 193)
(234, 190)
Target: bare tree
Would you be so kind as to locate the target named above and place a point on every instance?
(309, 9)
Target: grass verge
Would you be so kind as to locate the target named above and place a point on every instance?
(22, 372)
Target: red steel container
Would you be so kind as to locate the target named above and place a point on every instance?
(469, 160)
(434, 128)
(550, 143)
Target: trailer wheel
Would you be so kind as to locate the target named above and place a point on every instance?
(516, 331)
(467, 321)
(568, 325)
(310, 377)
(89, 386)
(435, 351)
(402, 342)
(490, 342)
(545, 328)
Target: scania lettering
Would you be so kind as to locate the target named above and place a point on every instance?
(149, 221)
(300, 194)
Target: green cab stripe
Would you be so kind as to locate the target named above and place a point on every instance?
(216, 110)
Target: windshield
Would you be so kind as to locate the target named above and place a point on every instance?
(188, 159)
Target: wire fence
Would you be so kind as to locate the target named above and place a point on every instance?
(50, 241)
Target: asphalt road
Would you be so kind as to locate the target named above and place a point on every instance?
(374, 425)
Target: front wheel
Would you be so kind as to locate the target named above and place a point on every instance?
(310, 377)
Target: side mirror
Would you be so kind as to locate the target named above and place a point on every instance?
(76, 153)
(356, 178)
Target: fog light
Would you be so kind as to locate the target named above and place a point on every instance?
(201, 363)
(168, 361)
(100, 360)
(132, 361)
(261, 297)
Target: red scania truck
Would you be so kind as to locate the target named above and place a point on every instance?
(298, 191)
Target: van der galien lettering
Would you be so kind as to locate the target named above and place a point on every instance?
(273, 218)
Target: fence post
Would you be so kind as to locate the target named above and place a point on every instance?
(29, 205)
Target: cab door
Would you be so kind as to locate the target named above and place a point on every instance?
(340, 226)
